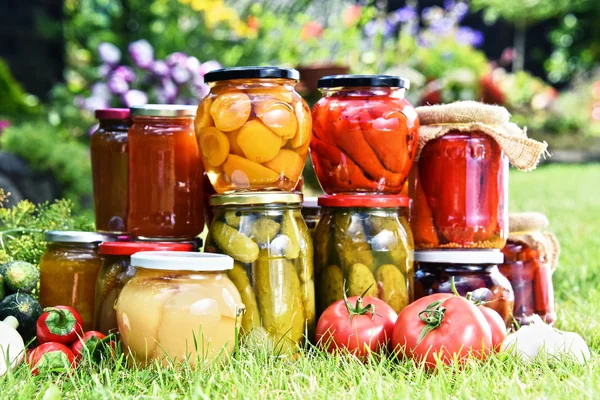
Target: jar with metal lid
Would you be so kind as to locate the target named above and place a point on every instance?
(253, 129)
(365, 134)
(364, 243)
(530, 257)
(273, 269)
(311, 212)
(110, 169)
(69, 269)
(473, 271)
(166, 176)
(117, 270)
(179, 306)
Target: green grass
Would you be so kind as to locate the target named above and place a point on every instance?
(569, 195)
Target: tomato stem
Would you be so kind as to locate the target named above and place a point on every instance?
(358, 308)
(432, 316)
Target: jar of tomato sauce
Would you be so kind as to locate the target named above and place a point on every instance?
(365, 134)
(253, 129)
(69, 269)
(473, 271)
(166, 176)
(108, 148)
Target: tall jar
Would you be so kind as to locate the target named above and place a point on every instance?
(365, 134)
(364, 243)
(166, 176)
(108, 148)
(273, 270)
(179, 306)
(459, 188)
(69, 269)
(253, 129)
(473, 272)
(115, 272)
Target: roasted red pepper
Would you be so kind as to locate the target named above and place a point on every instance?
(50, 357)
(60, 324)
(421, 218)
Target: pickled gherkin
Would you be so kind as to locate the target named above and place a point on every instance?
(263, 230)
(351, 241)
(330, 286)
(392, 286)
(361, 281)
(251, 317)
(289, 228)
(235, 244)
(308, 301)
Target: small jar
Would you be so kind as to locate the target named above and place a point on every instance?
(273, 269)
(364, 243)
(69, 269)
(253, 129)
(311, 212)
(166, 177)
(366, 134)
(179, 306)
(117, 270)
(108, 148)
(459, 188)
(473, 271)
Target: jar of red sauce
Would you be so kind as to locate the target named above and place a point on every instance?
(365, 134)
(108, 148)
(459, 188)
(166, 176)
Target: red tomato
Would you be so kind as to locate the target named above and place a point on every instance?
(91, 340)
(50, 357)
(456, 328)
(60, 324)
(359, 325)
(496, 325)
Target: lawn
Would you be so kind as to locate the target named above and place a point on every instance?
(569, 195)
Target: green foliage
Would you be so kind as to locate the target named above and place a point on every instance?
(14, 101)
(523, 12)
(48, 148)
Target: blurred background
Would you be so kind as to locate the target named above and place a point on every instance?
(62, 59)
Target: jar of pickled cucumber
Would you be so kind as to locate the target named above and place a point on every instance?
(474, 271)
(365, 243)
(253, 129)
(273, 270)
(116, 270)
(179, 306)
(311, 212)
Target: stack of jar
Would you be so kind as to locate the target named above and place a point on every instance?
(364, 143)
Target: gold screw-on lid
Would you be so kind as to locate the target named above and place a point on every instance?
(255, 198)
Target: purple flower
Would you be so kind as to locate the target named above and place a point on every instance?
(209, 66)
(109, 53)
(135, 98)
(100, 90)
(93, 103)
(405, 14)
(142, 53)
(160, 68)
(104, 70)
(180, 74)
(431, 14)
(193, 65)
(469, 36)
(460, 10)
(117, 84)
(199, 89)
(4, 123)
(124, 73)
(388, 29)
(370, 28)
(449, 4)
(176, 59)
(441, 26)
(169, 90)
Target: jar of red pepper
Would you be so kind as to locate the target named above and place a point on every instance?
(365, 134)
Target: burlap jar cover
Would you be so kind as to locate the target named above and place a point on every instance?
(471, 116)
(528, 228)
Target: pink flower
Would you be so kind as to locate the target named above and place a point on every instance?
(351, 15)
(310, 30)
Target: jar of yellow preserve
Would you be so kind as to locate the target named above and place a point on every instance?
(179, 306)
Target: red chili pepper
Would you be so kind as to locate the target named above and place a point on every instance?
(424, 231)
(50, 357)
(60, 324)
(543, 291)
(93, 342)
(488, 215)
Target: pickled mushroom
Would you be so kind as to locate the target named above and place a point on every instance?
(230, 110)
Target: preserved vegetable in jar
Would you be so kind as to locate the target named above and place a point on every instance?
(179, 306)
(474, 272)
(166, 176)
(253, 129)
(273, 269)
(311, 212)
(364, 243)
(117, 270)
(366, 134)
(69, 269)
(108, 149)
(530, 257)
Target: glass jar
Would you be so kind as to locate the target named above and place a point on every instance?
(69, 269)
(459, 189)
(364, 243)
(473, 271)
(273, 269)
(179, 306)
(166, 177)
(311, 212)
(366, 134)
(253, 129)
(117, 270)
(108, 148)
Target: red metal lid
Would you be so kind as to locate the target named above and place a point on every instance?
(112, 113)
(366, 201)
(129, 248)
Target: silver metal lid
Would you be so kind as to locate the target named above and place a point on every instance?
(182, 261)
(460, 256)
(163, 110)
(79, 237)
(311, 202)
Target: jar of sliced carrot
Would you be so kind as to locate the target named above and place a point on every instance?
(365, 134)
(253, 129)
